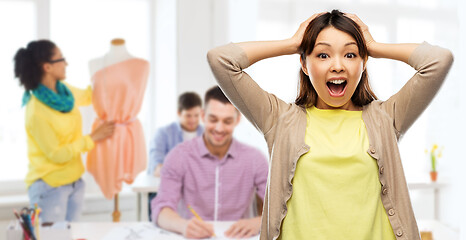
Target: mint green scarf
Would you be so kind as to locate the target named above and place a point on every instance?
(62, 101)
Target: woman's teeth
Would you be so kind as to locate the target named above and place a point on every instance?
(338, 81)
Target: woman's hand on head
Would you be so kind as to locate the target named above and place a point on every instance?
(103, 131)
(365, 31)
(297, 38)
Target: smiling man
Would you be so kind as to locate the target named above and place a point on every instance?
(186, 128)
(214, 174)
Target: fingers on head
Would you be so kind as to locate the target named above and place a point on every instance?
(315, 15)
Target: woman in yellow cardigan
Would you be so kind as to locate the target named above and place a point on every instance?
(53, 127)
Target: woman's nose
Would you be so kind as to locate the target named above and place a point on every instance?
(337, 66)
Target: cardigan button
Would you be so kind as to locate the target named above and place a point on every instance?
(381, 170)
(391, 212)
(384, 192)
(399, 233)
(372, 150)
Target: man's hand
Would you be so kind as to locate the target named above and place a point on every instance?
(158, 170)
(244, 228)
(196, 228)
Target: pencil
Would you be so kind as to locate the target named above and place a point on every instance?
(27, 234)
(37, 223)
(196, 215)
(27, 222)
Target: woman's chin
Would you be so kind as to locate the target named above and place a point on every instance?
(335, 104)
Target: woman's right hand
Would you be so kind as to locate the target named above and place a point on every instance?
(259, 50)
(297, 38)
(103, 131)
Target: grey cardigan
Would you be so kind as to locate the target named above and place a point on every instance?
(283, 126)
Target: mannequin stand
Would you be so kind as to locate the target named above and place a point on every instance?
(116, 213)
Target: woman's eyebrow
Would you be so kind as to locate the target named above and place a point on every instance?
(350, 43)
(328, 44)
(323, 43)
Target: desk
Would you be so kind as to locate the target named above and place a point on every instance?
(121, 230)
(143, 185)
(439, 231)
(435, 186)
(133, 231)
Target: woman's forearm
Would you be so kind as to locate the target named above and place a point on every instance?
(256, 51)
(259, 50)
(400, 52)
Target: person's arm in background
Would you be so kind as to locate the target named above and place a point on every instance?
(168, 197)
(192, 228)
(157, 153)
(82, 97)
(49, 143)
(43, 133)
(245, 228)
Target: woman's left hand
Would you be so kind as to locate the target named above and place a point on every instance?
(365, 31)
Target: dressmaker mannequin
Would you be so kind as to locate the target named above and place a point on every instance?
(117, 53)
(119, 81)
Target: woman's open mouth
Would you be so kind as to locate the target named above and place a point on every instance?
(336, 87)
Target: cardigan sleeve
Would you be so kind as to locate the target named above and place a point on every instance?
(432, 64)
(261, 108)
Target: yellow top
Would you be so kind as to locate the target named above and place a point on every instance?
(55, 141)
(336, 188)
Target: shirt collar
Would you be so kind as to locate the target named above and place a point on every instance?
(203, 151)
(178, 126)
(199, 128)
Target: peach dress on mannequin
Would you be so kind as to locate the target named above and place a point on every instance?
(118, 95)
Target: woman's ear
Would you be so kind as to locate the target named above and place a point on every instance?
(364, 63)
(303, 66)
(46, 67)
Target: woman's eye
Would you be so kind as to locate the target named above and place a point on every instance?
(350, 55)
(322, 55)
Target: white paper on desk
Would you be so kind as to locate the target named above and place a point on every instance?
(221, 227)
(147, 231)
(140, 231)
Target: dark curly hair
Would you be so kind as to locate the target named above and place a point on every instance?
(29, 61)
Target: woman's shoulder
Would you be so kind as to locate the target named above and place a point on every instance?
(378, 109)
(83, 97)
(75, 90)
(36, 110)
(375, 105)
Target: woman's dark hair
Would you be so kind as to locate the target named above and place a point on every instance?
(29, 61)
(307, 95)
